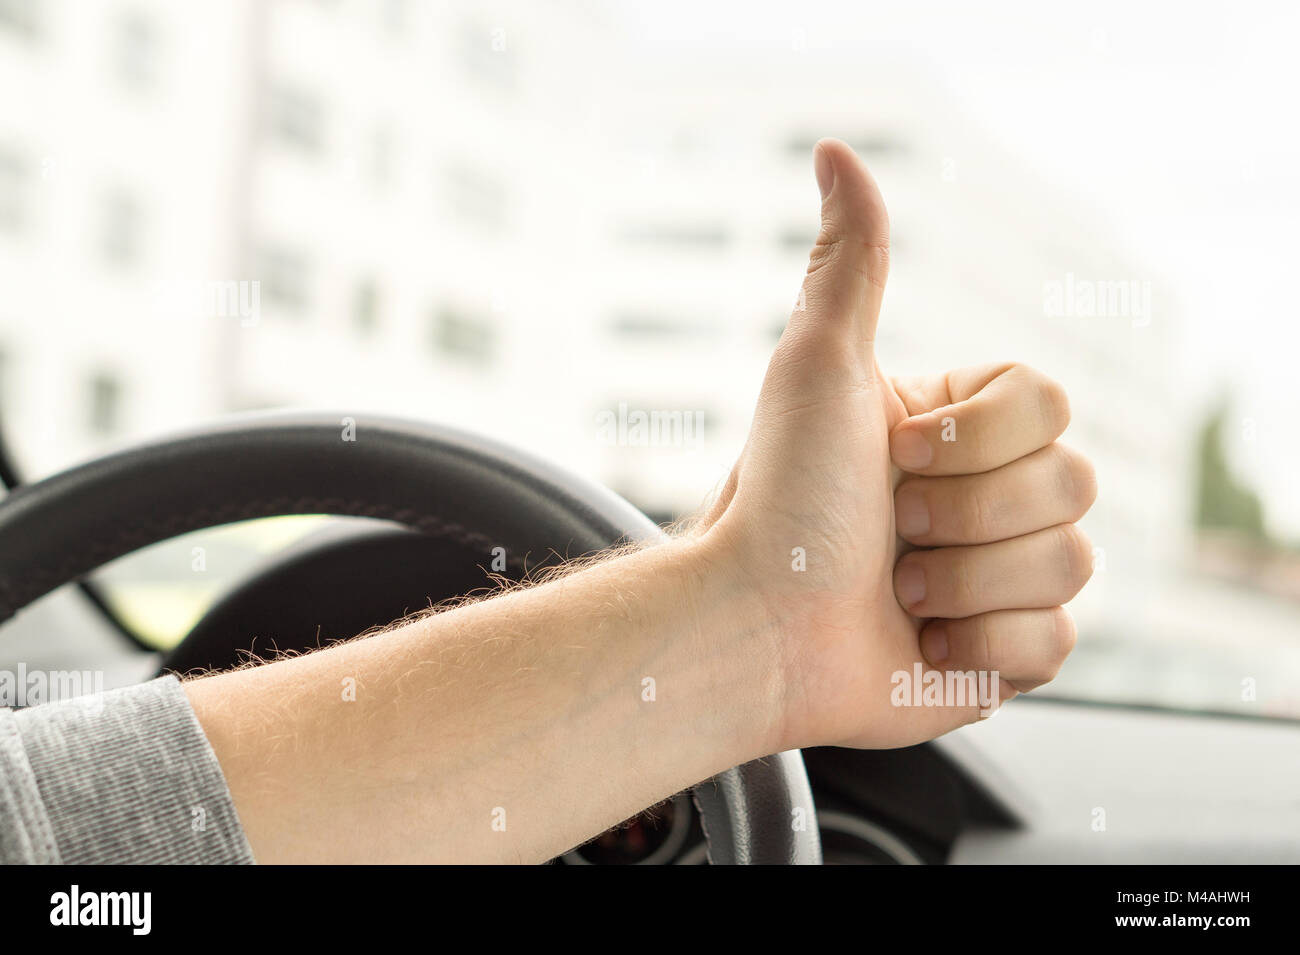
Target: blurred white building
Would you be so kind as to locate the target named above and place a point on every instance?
(514, 225)
(116, 175)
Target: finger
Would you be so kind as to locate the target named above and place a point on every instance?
(1019, 411)
(1025, 647)
(849, 264)
(1054, 485)
(1041, 569)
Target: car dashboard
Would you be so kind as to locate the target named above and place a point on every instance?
(1044, 782)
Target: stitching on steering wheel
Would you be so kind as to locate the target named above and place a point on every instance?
(704, 823)
(16, 594)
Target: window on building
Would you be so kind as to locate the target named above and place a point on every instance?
(135, 49)
(121, 240)
(876, 144)
(105, 403)
(245, 401)
(476, 196)
(679, 236)
(21, 17)
(464, 335)
(797, 239)
(396, 17)
(381, 155)
(296, 118)
(365, 306)
(485, 55)
(644, 326)
(285, 277)
(15, 174)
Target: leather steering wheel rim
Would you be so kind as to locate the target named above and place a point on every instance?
(429, 477)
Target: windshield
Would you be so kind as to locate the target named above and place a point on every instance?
(535, 221)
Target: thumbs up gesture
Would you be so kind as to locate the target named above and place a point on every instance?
(901, 531)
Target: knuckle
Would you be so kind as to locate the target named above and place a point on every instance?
(1054, 403)
(983, 456)
(975, 435)
(1077, 551)
(825, 249)
(985, 641)
(1065, 635)
(868, 257)
(980, 518)
(965, 590)
(1078, 480)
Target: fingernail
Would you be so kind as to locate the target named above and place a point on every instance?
(910, 584)
(825, 171)
(911, 514)
(934, 644)
(911, 450)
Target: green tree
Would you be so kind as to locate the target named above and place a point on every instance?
(1222, 502)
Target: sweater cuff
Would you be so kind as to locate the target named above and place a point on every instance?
(126, 776)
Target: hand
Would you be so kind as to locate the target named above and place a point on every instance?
(845, 468)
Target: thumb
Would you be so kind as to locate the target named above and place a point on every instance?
(850, 262)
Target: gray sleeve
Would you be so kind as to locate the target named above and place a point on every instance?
(125, 776)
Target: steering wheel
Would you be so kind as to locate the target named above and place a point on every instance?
(459, 489)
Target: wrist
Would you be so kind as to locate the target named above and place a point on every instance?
(738, 635)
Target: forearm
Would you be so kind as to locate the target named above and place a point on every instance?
(528, 710)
